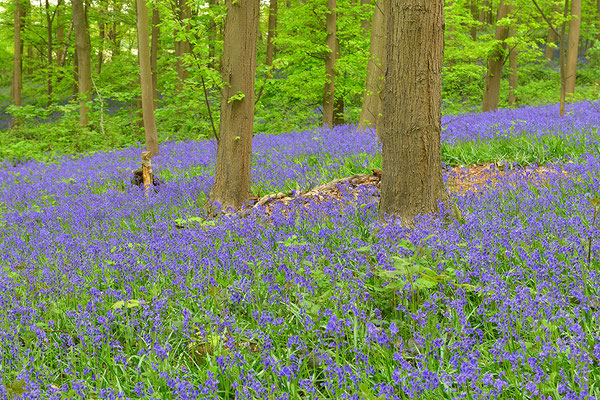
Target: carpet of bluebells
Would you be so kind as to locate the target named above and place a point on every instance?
(108, 294)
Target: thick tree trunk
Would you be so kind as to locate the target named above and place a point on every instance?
(272, 32)
(143, 34)
(232, 173)
(330, 56)
(17, 81)
(549, 51)
(371, 107)
(84, 67)
(412, 181)
(513, 78)
(182, 47)
(573, 46)
(491, 93)
(154, 52)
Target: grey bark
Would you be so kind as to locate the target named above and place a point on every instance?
(412, 181)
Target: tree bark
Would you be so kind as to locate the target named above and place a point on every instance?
(212, 37)
(101, 34)
(372, 97)
(562, 61)
(573, 46)
(484, 12)
(412, 181)
(272, 32)
(17, 81)
(154, 52)
(232, 173)
(475, 14)
(182, 47)
(549, 51)
(49, 45)
(84, 67)
(491, 93)
(143, 34)
(513, 77)
(329, 92)
(365, 22)
(60, 37)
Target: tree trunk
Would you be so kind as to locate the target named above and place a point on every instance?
(60, 37)
(573, 46)
(101, 34)
(49, 44)
(212, 37)
(364, 22)
(154, 52)
(474, 14)
(484, 12)
(549, 52)
(412, 181)
(371, 107)
(232, 173)
(272, 33)
(84, 67)
(491, 93)
(182, 46)
(329, 92)
(512, 59)
(562, 61)
(17, 82)
(143, 34)
(113, 33)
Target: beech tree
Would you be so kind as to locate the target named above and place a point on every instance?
(84, 67)
(231, 188)
(143, 33)
(371, 106)
(411, 128)
(17, 80)
(573, 46)
(491, 93)
(330, 56)
(272, 32)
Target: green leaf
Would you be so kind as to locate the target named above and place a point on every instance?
(16, 388)
(129, 304)
(238, 96)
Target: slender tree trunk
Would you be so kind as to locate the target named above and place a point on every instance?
(365, 23)
(30, 59)
(75, 88)
(232, 173)
(372, 97)
(60, 37)
(154, 52)
(143, 33)
(513, 78)
(484, 12)
(549, 51)
(182, 46)
(17, 81)
(212, 37)
(562, 61)
(491, 92)
(113, 32)
(573, 46)
(411, 129)
(329, 92)
(475, 14)
(272, 33)
(101, 34)
(84, 67)
(49, 48)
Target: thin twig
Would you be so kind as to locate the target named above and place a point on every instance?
(547, 20)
